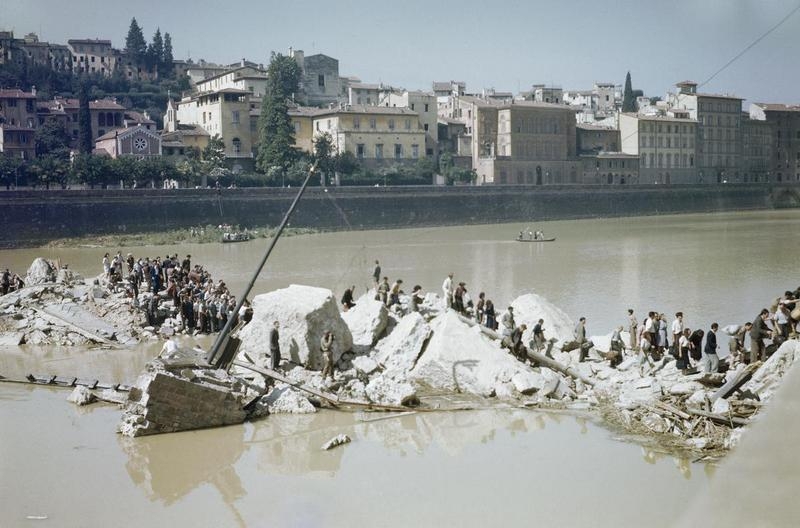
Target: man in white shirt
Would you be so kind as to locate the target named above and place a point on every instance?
(447, 290)
(677, 328)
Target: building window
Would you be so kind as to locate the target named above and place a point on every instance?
(235, 117)
(412, 106)
(360, 151)
(415, 151)
(296, 127)
(372, 123)
(398, 151)
(426, 107)
(379, 151)
(321, 80)
(357, 123)
(408, 124)
(391, 124)
(425, 126)
(237, 145)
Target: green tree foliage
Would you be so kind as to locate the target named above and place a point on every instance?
(155, 51)
(276, 150)
(166, 58)
(85, 139)
(346, 163)
(324, 156)
(51, 138)
(276, 136)
(10, 168)
(213, 159)
(628, 99)
(135, 43)
(283, 76)
(89, 170)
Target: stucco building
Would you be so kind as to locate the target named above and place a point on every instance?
(17, 123)
(784, 127)
(719, 134)
(610, 168)
(665, 144)
(319, 79)
(593, 139)
(92, 56)
(224, 112)
(133, 141)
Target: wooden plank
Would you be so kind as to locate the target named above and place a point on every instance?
(327, 396)
(736, 382)
(730, 421)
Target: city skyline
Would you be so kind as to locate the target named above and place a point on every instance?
(571, 45)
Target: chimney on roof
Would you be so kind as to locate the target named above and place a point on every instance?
(243, 61)
(33, 89)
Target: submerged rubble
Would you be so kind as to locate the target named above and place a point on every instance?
(59, 307)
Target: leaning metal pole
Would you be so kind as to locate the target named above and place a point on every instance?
(214, 353)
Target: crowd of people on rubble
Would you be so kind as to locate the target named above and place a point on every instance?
(201, 305)
(10, 282)
(656, 339)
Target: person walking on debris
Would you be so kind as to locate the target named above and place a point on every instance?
(480, 307)
(376, 274)
(383, 291)
(580, 338)
(415, 299)
(447, 290)
(633, 326)
(516, 345)
(326, 346)
(696, 347)
(683, 345)
(347, 298)
(508, 323)
(394, 293)
(677, 331)
(661, 339)
(736, 344)
(538, 341)
(458, 298)
(759, 332)
(274, 346)
(711, 363)
(491, 316)
(5, 281)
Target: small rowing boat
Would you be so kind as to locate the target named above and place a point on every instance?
(535, 240)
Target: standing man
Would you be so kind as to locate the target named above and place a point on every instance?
(383, 291)
(274, 346)
(736, 344)
(711, 363)
(326, 346)
(580, 338)
(677, 331)
(633, 326)
(5, 281)
(758, 332)
(507, 322)
(394, 293)
(447, 290)
(376, 274)
(538, 336)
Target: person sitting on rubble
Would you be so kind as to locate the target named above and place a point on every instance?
(347, 298)
(18, 282)
(515, 343)
(415, 299)
(615, 355)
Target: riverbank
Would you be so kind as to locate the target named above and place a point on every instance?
(36, 218)
(208, 234)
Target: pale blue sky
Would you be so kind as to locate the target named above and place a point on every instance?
(508, 45)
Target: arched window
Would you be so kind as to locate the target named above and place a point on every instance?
(237, 145)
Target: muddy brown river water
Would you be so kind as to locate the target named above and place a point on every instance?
(473, 468)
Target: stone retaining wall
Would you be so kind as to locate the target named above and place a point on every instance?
(34, 217)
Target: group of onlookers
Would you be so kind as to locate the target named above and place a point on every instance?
(10, 282)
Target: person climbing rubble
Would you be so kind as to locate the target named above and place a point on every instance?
(326, 347)
(507, 322)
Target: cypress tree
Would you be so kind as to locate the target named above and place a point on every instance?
(628, 100)
(276, 133)
(134, 42)
(85, 139)
(166, 57)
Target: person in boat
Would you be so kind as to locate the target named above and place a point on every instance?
(530, 235)
(520, 235)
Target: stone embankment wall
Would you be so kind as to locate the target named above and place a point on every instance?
(33, 217)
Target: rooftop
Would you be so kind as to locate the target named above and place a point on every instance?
(16, 93)
(778, 107)
(366, 109)
(101, 42)
(658, 118)
(97, 104)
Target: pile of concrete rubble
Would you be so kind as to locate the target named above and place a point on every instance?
(59, 307)
(386, 358)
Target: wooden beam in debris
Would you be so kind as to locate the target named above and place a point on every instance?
(730, 421)
(552, 364)
(327, 396)
(65, 382)
(736, 382)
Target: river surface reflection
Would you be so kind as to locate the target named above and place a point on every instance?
(471, 468)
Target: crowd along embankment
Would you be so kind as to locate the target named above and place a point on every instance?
(32, 218)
